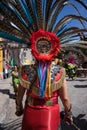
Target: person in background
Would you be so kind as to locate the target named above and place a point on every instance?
(15, 79)
(6, 72)
(11, 62)
(8, 69)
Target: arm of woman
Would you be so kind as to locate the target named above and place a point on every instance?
(63, 93)
(19, 98)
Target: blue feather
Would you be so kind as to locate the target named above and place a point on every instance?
(11, 37)
(14, 26)
(10, 7)
(53, 2)
(25, 9)
(44, 9)
(34, 9)
(44, 82)
(51, 16)
(61, 30)
(42, 78)
(69, 40)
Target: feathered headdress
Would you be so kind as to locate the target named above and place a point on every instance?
(39, 25)
(21, 18)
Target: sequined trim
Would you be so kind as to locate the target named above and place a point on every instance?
(57, 85)
(26, 84)
(54, 87)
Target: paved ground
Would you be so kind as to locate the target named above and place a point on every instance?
(78, 95)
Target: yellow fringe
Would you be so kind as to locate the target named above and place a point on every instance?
(24, 83)
(53, 87)
(49, 87)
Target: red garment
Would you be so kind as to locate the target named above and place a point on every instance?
(57, 77)
(42, 117)
(8, 66)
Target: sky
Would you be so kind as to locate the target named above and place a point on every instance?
(69, 9)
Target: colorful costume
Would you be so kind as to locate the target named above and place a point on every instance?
(45, 107)
(35, 24)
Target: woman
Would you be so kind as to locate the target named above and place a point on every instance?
(36, 24)
(43, 113)
(15, 79)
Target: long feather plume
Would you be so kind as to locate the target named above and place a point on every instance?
(20, 18)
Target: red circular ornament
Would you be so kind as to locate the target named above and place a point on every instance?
(44, 45)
